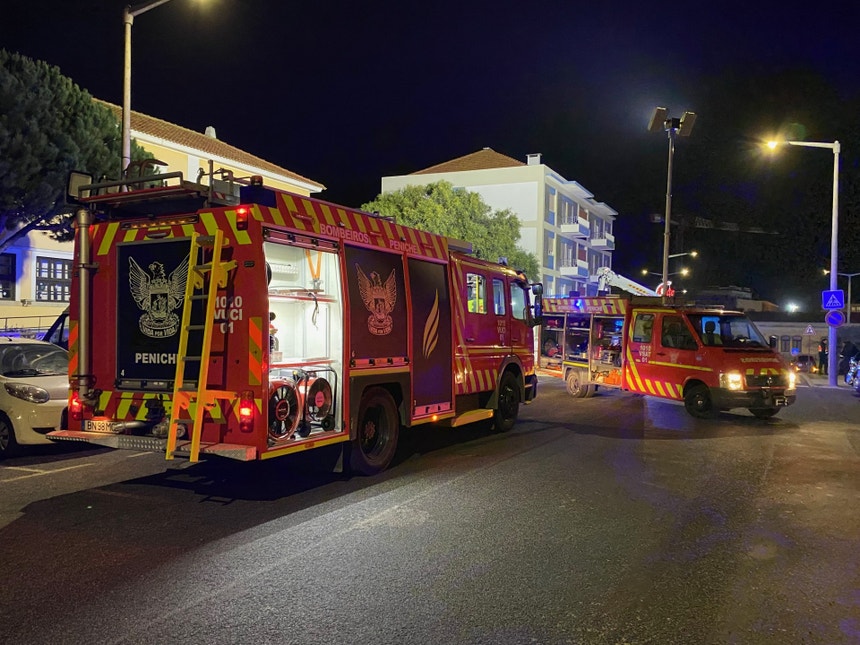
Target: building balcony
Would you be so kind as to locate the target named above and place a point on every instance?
(576, 271)
(575, 227)
(607, 242)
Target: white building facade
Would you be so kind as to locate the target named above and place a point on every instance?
(569, 232)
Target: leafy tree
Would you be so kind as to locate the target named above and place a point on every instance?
(49, 126)
(455, 212)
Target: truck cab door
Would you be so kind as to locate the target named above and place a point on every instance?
(661, 350)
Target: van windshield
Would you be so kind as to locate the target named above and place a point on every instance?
(727, 330)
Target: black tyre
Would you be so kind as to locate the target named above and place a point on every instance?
(697, 401)
(575, 383)
(378, 428)
(764, 413)
(8, 444)
(508, 408)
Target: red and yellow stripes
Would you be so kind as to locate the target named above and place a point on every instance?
(608, 306)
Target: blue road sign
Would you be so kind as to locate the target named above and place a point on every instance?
(833, 299)
(834, 318)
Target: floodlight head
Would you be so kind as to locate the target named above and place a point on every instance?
(687, 122)
(658, 119)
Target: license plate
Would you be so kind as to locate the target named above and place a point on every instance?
(779, 401)
(98, 425)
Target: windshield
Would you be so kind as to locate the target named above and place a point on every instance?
(33, 359)
(727, 330)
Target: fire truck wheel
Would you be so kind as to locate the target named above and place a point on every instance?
(575, 386)
(764, 413)
(378, 427)
(505, 414)
(697, 401)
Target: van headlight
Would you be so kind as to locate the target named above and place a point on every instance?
(731, 381)
(792, 380)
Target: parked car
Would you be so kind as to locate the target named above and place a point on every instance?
(805, 363)
(34, 392)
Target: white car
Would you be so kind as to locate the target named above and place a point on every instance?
(34, 392)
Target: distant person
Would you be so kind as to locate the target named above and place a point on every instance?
(822, 356)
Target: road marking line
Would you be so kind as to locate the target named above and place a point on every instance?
(39, 473)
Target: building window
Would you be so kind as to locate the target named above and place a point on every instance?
(785, 344)
(796, 344)
(7, 276)
(53, 279)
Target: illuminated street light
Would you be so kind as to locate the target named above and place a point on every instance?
(660, 120)
(692, 254)
(685, 272)
(834, 243)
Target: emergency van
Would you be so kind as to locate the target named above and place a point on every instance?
(253, 323)
(709, 358)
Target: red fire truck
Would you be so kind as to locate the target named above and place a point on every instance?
(709, 358)
(254, 323)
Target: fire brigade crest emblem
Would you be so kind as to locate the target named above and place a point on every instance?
(158, 296)
(379, 298)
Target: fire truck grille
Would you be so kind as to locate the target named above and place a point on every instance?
(769, 380)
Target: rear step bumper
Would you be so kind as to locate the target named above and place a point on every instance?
(154, 444)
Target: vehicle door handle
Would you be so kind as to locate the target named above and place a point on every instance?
(660, 353)
(470, 340)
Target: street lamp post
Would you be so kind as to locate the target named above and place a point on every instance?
(833, 351)
(660, 120)
(128, 15)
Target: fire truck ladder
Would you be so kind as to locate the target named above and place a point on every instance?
(198, 288)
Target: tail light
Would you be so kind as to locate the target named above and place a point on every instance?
(246, 413)
(76, 410)
(242, 214)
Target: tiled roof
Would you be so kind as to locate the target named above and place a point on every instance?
(481, 160)
(167, 131)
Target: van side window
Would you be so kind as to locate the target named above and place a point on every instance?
(476, 293)
(676, 334)
(642, 328)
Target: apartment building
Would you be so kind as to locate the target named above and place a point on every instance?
(561, 223)
(36, 271)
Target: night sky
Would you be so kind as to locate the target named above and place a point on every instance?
(346, 92)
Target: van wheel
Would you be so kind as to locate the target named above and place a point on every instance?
(575, 384)
(764, 413)
(508, 407)
(8, 444)
(697, 401)
(376, 438)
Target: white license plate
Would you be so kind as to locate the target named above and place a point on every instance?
(98, 425)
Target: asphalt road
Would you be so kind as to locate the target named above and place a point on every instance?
(616, 519)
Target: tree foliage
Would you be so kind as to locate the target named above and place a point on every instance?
(455, 212)
(49, 126)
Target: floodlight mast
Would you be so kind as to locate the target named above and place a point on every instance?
(683, 126)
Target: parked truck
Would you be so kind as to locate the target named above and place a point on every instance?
(252, 323)
(709, 358)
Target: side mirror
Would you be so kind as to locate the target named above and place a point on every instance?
(537, 318)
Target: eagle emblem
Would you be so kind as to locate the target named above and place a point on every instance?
(158, 296)
(379, 298)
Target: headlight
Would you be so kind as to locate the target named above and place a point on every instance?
(792, 380)
(732, 381)
(29, 393)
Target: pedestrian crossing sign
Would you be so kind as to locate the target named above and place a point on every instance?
(833, 299)
(809, 330)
